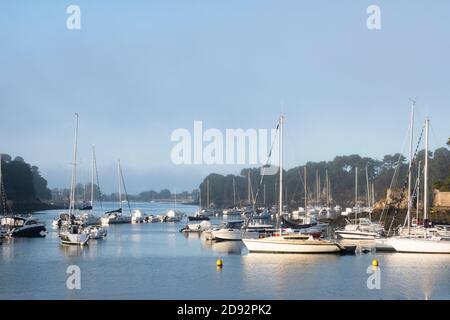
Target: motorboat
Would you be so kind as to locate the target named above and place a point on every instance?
(73, 235)
(87, 219)
(137, 216)
(360, 229)
(173, 216)
(197, 227)
(115, 218)
(62, 220)
(96, 232)
(198, 216)
(233, 231)
(17, 226)
(151, 219)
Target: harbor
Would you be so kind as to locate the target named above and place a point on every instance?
(156, 261)
(246, 153)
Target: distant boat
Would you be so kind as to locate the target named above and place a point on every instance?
(197, 227)
(96, 232)
(17, 226)
(116, 216)
(137, 216)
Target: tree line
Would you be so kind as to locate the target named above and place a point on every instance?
(230, 190)
(22, 181)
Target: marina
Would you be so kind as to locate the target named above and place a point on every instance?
(156, 261)
(249, 152)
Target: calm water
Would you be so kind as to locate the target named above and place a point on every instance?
(156, 261)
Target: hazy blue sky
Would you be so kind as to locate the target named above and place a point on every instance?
(137, 70)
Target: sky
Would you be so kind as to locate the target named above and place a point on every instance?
(138, 70)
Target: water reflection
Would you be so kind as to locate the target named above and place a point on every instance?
(289, 276)
(192, 235)
(416, 276)
(73, 250)
(228, 247)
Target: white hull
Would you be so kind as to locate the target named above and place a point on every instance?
(80, 239)
(227, 234)
(115, 220)
(356, 235)
(420, 245)
(282, 245)
(232, 234)
(383, 244)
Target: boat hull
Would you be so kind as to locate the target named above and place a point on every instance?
(80, 239)
(281, 245)
(35, 231)
(356, 235)
(420, 245)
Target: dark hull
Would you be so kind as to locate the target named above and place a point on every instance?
(290, 224)
(200, 218)
(31, 232)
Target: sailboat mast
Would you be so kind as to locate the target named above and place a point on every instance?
(418, 192)
(306, 189)
(356, 193)
(367, 187)
(410, 164)
(317, 187)
(74, 170)
(425, 179)
(92, 177)
(120, 184)
(234, 192)
(207, 194)
(264, 195)
(280, 205)
(248, 188)
(327, 186)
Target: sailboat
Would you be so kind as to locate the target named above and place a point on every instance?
(360, 228)
(426, 243)
(116, 216)
(291, 242)
(88, 218)
(73, 233)
(198, 216)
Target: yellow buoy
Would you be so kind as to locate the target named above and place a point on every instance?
(219, 262)
(375, 262)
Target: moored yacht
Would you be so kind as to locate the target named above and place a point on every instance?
(72, 233)
(17, 226)
(427, 243)
(291, 243)
(360, 229)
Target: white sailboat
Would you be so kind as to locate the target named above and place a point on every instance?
(88, 218)
(73, 233)
(289, 243)
(116, 216)
(360, 228)
(427, 243)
